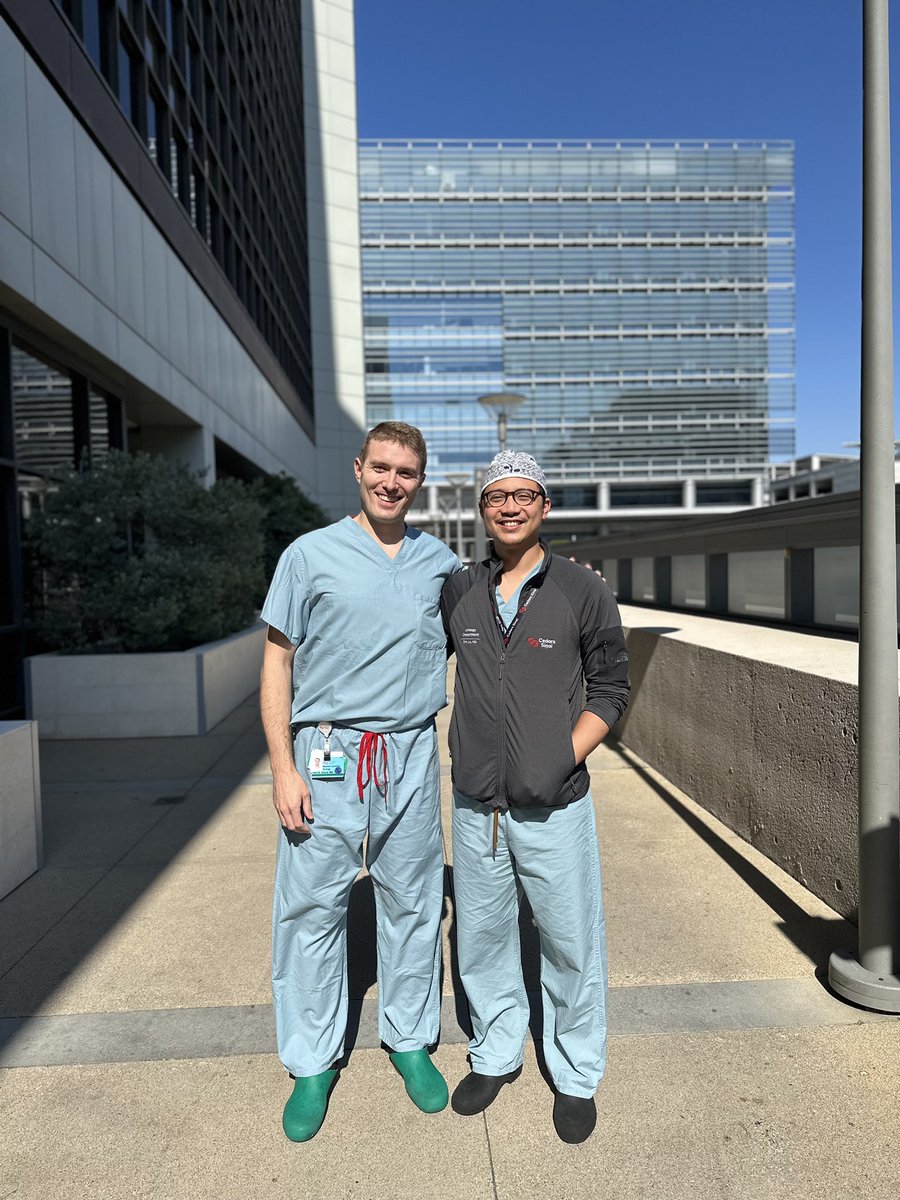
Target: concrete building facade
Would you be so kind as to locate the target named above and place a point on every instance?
(179, 248)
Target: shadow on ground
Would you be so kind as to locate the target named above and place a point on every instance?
(116, 815)
(815, 937)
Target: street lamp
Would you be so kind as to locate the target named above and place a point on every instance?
(458, 482)
(500, 405)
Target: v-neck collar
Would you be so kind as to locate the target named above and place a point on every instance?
(378, 551)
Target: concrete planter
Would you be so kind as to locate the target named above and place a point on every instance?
(21, 839)
(168, 694)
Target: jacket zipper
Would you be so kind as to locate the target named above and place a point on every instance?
(501, 727)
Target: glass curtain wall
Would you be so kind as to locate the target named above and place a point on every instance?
(640, 296)
(214, 90)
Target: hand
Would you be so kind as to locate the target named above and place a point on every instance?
(292, 801)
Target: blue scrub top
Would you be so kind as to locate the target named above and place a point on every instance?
(508, 608)
(371, 644)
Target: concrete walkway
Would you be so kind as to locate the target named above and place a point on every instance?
(136, 1040)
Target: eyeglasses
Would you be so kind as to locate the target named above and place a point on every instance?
(523, 496)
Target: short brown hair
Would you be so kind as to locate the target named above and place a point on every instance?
(398, 431)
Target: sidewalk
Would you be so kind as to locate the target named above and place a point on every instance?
(136, 1045)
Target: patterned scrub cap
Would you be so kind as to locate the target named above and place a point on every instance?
(509, 464)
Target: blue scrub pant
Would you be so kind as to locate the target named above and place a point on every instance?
(551, 854)
(313, 878)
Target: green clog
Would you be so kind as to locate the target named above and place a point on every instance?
(305, 1110)
(425, 1085)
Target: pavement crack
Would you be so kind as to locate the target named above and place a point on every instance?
(487, 1134)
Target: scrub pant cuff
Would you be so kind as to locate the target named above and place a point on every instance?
(572, 1086)
(482, 1067)
(405, 1045)
(310, 1074)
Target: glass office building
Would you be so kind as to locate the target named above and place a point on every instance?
(640, 296)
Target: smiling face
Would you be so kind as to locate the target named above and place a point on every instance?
(511, 524)
(389, 479)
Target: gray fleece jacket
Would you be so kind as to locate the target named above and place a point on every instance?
(516, 706)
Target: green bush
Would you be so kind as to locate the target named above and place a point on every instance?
(287, 514)
(137, 555)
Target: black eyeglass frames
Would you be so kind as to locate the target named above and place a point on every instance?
(523, 496)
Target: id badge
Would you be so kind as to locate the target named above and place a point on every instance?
(335, 767)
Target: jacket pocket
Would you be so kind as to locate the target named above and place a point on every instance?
(539, 768)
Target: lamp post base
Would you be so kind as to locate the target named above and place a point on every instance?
(853, 982)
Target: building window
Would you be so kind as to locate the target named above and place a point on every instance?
(574, 496)
(42, 415)
(90, 16)
(739, 492)
(127, 82)
(648, 495)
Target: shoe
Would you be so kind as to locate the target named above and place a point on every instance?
(475, 1092)
(425, 1085)
(305, 1110)
(574, 1117)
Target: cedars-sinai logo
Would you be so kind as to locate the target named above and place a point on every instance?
(541, 643)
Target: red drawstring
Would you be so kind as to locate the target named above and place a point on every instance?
(369, 746)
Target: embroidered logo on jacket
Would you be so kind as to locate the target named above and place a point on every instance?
(542, 643)
(469, 637)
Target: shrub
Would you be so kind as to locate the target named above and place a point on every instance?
(137, 555)
(287, 514)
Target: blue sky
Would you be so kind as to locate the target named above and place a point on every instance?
(656, 69)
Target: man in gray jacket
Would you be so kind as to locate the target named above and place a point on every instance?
(541, 676)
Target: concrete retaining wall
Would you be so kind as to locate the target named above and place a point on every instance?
(21, 835)
(760, 726)
(143, 695)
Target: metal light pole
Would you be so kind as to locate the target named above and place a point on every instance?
(500, 405)
(873, 980)
(458, 482)
(444, 506)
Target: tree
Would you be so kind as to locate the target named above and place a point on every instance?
(137, 555)
(287, 514)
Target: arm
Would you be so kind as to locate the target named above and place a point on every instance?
(290, 795)
(587, 735)
(604, 659)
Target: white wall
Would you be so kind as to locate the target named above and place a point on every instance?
(329, 98)
(21, 833)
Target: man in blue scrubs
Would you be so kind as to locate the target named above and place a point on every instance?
(353, 673)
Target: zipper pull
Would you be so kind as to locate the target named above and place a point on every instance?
(502, 661)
